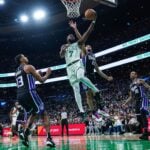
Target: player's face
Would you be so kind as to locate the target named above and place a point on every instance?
(71, 38)
(88, 49)
(16, 104)
(133, 75)
(24, 59)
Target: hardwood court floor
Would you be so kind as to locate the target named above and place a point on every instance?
(79, 143)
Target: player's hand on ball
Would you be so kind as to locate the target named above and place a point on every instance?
(49, 71)
(110, 78)
(73, 24)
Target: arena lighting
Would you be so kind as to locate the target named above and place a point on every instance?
(39, 14)
(2, 2)
(124, 45)
(108, 66)
(24, 18)
(102, 53)
(3, 103)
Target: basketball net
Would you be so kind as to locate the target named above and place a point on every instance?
(72, 7)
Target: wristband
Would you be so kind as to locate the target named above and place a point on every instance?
(94, 21)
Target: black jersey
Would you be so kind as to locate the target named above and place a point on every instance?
(135, 89)
(89, 62)
(139, 94)
(25, 82)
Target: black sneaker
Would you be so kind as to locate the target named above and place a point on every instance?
(49, 142)
(14, 134)
(21, 135)
(144, 137)
(25, 141)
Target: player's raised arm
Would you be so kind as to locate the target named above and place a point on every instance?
(63, 51)
(31, 69)
(13, 111)
(146, 85)
(73, 25)
(85, 36)
(129, 98)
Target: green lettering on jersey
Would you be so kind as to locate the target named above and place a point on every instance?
(70, 52)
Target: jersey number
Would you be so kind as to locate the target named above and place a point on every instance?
(20, 82)
(70, 52)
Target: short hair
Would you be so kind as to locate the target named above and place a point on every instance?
(135, 72)
(17, 59)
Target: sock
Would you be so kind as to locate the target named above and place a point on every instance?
(48, 135)
(27, 132)
(77, 95)
(19, 127)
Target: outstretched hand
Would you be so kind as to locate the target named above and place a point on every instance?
(110, 78)
(72, 24)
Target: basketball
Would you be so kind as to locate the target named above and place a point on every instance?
(90, 14)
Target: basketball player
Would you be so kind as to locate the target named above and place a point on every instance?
(90, 64)
(75, 68)
(137, 93)
(14, 113)
(27, 95)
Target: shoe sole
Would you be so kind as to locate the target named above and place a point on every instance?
(141, 138)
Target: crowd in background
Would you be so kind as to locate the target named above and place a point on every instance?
(113, 95)
(59, 94)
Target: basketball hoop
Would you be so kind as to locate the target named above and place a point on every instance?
(73, 7)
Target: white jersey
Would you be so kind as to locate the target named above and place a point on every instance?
(16, 113)
(73, 52)
(63, 115)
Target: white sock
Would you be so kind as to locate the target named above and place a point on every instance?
(19, 127)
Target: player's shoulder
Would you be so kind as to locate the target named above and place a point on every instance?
(28, 68)
(64, 46)
(13, 108)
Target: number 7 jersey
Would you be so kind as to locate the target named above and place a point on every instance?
(73, 52)
(25, 82)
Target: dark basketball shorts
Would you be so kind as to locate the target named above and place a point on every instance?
(22, 118)
(139, 109)
(31, 102)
